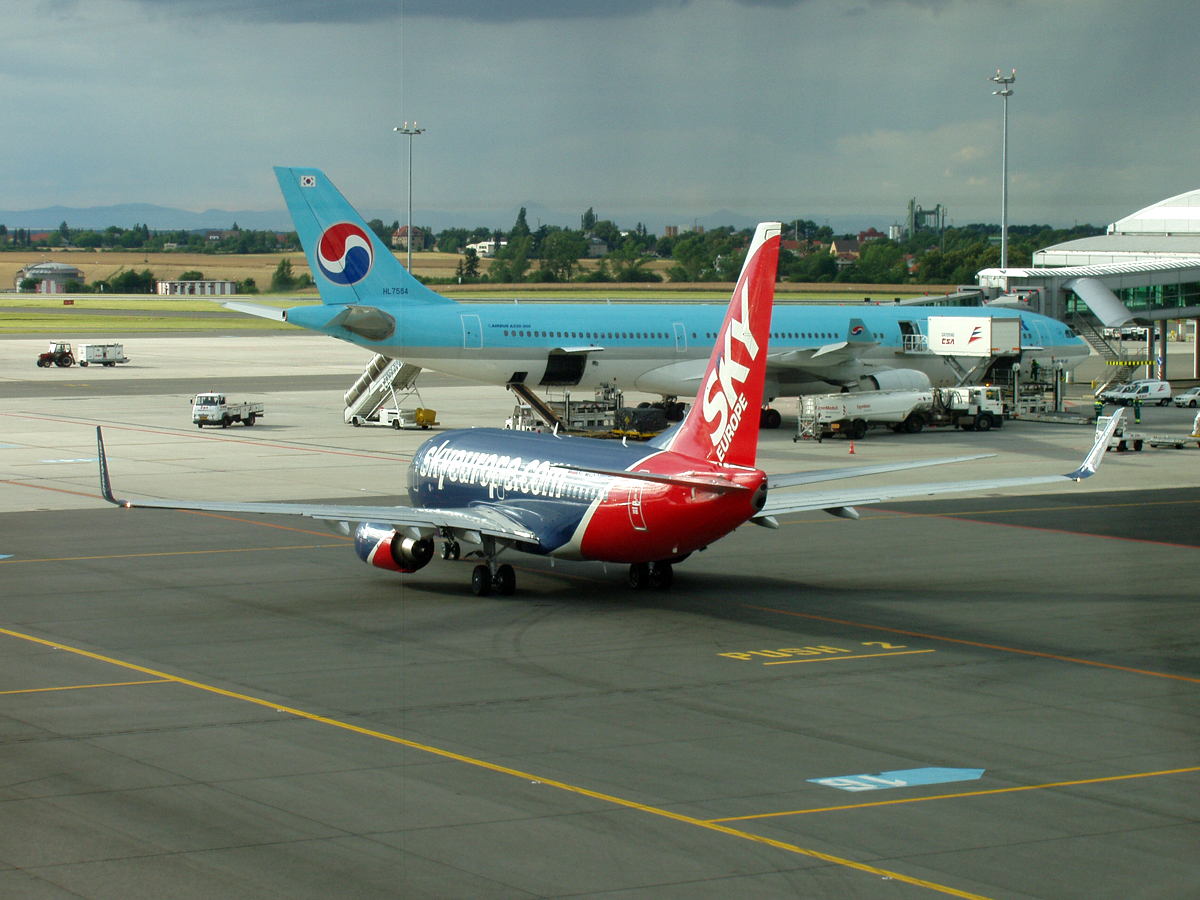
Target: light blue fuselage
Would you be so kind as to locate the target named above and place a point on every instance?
(664, 348)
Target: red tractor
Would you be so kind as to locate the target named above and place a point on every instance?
(59, 355)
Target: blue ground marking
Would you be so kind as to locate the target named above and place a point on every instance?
(900, 778)
(9, 446)
(5, 556)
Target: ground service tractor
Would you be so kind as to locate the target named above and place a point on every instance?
(59, 355)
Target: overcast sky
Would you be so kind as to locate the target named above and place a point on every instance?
(652, 110)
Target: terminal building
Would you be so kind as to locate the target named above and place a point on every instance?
(1145, 269)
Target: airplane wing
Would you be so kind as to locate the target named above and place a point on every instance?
(842, 503)
(859, 341)
(481, 519)
(792, 479)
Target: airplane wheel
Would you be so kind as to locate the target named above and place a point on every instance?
(481, 581)
(505, 581)
(639, 576)
(451, 550)
(661, 576)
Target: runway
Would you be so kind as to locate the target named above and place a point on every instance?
(200, 705)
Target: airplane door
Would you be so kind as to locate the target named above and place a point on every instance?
(1043, 333)
(680, 338)
(472, 333)
(636, 519)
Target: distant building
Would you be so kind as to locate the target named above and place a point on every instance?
(486, 248)
(596, 247)
(870, 235)
(671, 231)
(51, 277)
(197, 288)
(400, 238)
(844, 248)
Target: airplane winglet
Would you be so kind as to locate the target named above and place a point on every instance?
(105, 484)
(1092, 461)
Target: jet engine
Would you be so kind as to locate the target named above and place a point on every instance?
(382, 546)
(894, 380)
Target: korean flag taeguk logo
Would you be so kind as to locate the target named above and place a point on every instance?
(857, 330)
(344, 253)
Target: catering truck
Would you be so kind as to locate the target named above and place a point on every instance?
(214, 409)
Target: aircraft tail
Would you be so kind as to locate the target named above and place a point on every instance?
(349, 263)
(722, 424)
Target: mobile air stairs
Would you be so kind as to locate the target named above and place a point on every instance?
(1118, 368)
(383, 380)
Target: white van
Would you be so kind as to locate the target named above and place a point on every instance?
(1148, 390)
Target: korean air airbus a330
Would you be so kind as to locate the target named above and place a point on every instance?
(648, 506)
(370, 299)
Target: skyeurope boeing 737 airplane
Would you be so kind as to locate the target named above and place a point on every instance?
(370, 299)
(649, 506)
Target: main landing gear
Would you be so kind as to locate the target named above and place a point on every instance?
(657, 575)
(502, 579)
(769, 418)
(489, 576)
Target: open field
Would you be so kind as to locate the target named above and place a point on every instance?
(99, 265)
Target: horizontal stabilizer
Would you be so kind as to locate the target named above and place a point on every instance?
(256, 309)
(700, 482)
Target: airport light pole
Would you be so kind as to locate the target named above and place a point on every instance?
(1005, 91)
(410, 132)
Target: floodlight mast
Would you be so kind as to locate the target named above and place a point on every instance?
(410, 132)
(1005, 91)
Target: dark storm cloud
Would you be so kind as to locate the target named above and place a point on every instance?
(497, 11)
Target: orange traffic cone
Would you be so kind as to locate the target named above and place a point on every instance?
(852, 445)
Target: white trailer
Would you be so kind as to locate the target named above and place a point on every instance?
(102, 354)
(214, 409)
(1127, 439)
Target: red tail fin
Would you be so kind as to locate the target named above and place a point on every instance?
(722, 425)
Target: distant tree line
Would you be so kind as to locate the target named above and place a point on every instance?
(140, 237)
(551, 253)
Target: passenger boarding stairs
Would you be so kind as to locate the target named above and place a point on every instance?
(1117, 368)
(378, 384)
